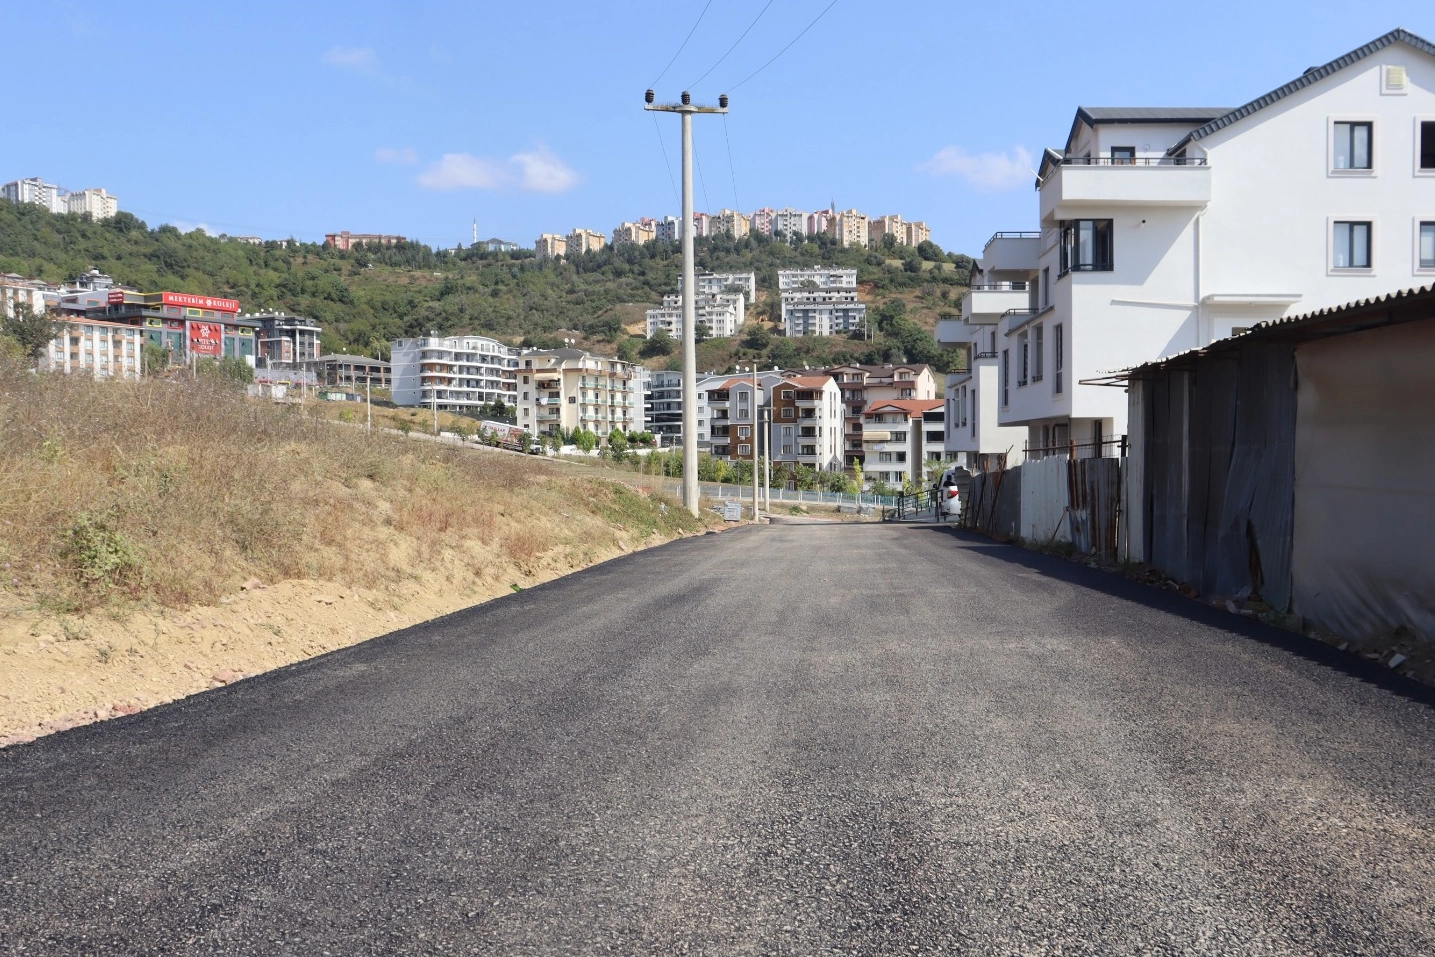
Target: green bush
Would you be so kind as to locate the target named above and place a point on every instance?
(98, 555)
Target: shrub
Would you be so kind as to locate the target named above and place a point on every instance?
(98, 555)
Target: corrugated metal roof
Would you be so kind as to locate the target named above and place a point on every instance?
(1313, 75)
(1294, 324)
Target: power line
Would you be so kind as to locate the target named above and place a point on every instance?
(734, 45)
(786, 48)
(681, 46)
(735, 204)
(664, 147)
(697, 158)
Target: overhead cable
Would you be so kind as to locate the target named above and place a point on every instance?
(734, 45)
(683, 44)
(786, 48)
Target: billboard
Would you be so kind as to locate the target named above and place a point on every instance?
(199, 302)
(115, 298)
(206, 339)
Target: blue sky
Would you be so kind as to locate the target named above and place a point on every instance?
(414, 117)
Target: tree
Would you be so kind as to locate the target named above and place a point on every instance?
(154, 358)
(658, 344)
(627, 350)
(701, 333)
(784, 354)
(32, 330)
(757, 337)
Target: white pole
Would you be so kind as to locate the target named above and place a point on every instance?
(767, 464)
(690, 360)
(369, 399)
(756, 400)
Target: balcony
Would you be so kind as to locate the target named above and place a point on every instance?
(1012, 251)
(1079, 185)
(985, 302)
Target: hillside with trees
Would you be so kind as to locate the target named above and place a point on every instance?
(370, 295)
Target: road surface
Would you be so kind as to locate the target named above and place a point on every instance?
(806, 739)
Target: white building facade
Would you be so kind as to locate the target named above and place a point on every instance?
(457, 373)
(789, 222)
(722, 314)
(567, 389)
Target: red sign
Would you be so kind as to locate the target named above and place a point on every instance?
(115, 298)
(199, 302)
(206, 338)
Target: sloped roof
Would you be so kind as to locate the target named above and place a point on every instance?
(912, 407)
(1149, 114)
(1313, 75)
(809, 381)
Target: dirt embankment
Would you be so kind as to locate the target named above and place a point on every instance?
(158, 539)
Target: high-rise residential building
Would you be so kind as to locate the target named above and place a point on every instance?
(848, 227)
(345, 240)
(762, 221)
(717, 283)
(635, 233)
(729, 221)
(456, 373)
(918, 233)
(816, 278)
(817, 222)
(667, 229)
(821, 312)
(551, 246)
(566, 389)
(789, 222)
(98, 203)
(723, 314)
(879, 227)
(37, 191)
(582, 241)
(702, 225)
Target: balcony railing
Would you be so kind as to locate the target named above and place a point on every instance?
(1133, 161)
(1016, 286)
(1020, 234)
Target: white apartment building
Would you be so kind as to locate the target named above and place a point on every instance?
(793, 279)
(1004, 280)
(863, 386)
(98, 203)
(16, 289)
(733, 223)
(821, 312)
(668, 229)
(568, 389)
(789, 222)
(637, 233)
(458, 373)
(719, 283)
(102, 349)
(37, 191)
(582, 241)
(849, 228)
(723, 314)
(551, 246)
(900, 438)
(1165, 229)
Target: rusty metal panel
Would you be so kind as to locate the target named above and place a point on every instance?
(1044, 500)
(1094, 493)
(994, 506)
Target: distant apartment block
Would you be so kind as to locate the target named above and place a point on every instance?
(723, 314)
(849, 228)
(817, 222)
(717, 283)
(806, 422)
(702, 225)
(566, 389)
(789, 222)
(345, 240)
(36, 191)
(582, 241)
(733, 223)
(551, 246)
(792, 279)
(900, 437)
(636, 233)
(98, 203)
(286, 339)
(821, 312)
(668, 229)
(864, 386)
(246, 240)
(918, 233)
(762, 220)
(454, 373)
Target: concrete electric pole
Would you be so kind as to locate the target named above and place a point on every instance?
(686, 109)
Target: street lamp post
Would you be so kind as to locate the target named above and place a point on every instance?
(686, 109)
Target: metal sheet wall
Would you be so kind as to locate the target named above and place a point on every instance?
(995, 503)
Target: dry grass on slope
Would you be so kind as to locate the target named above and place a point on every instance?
(118, 494)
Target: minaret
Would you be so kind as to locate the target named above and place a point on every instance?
(475, 231)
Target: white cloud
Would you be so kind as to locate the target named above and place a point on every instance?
(357, 59)
(986, 171)
(463, 171)
(543, 172)
(407, 156)
(538, 171)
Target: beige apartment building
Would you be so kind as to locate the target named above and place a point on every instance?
(582, 241)
(863, 386)
(735, 224)
(849, 227)
(569, 389)
(636, 233)
(551, 246)
(917, 233)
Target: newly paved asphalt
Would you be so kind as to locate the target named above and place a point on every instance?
(788, 740)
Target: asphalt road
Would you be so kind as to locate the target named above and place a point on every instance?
(805, 739)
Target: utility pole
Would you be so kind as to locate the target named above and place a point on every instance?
(756, 436)
(369, 400)
(686, 109)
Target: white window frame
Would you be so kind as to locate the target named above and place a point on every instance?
(1415, 148)
(1330, 146)
(1415, 252)
(1331, 268)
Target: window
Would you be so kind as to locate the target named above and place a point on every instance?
(1006, 376)
(787, 394)
(787, 431)
(1058, 356)
(744, 449)
(1045, 286)
(1086, 245)
(884, 456)
(899, 436)
(743, 431)
(1427, 145)
(1038, 348)
(1123, 156)
(908, 393)
(787, 450)
(1427, 245)
(1025, 348)
(1350, 245)
(934, 436)
(1351, 149)
(901, 456)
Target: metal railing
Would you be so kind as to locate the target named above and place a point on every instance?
(1018, 234)
(1133, 161)
(1019, 285)
(1104, 449)
(911, 505)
